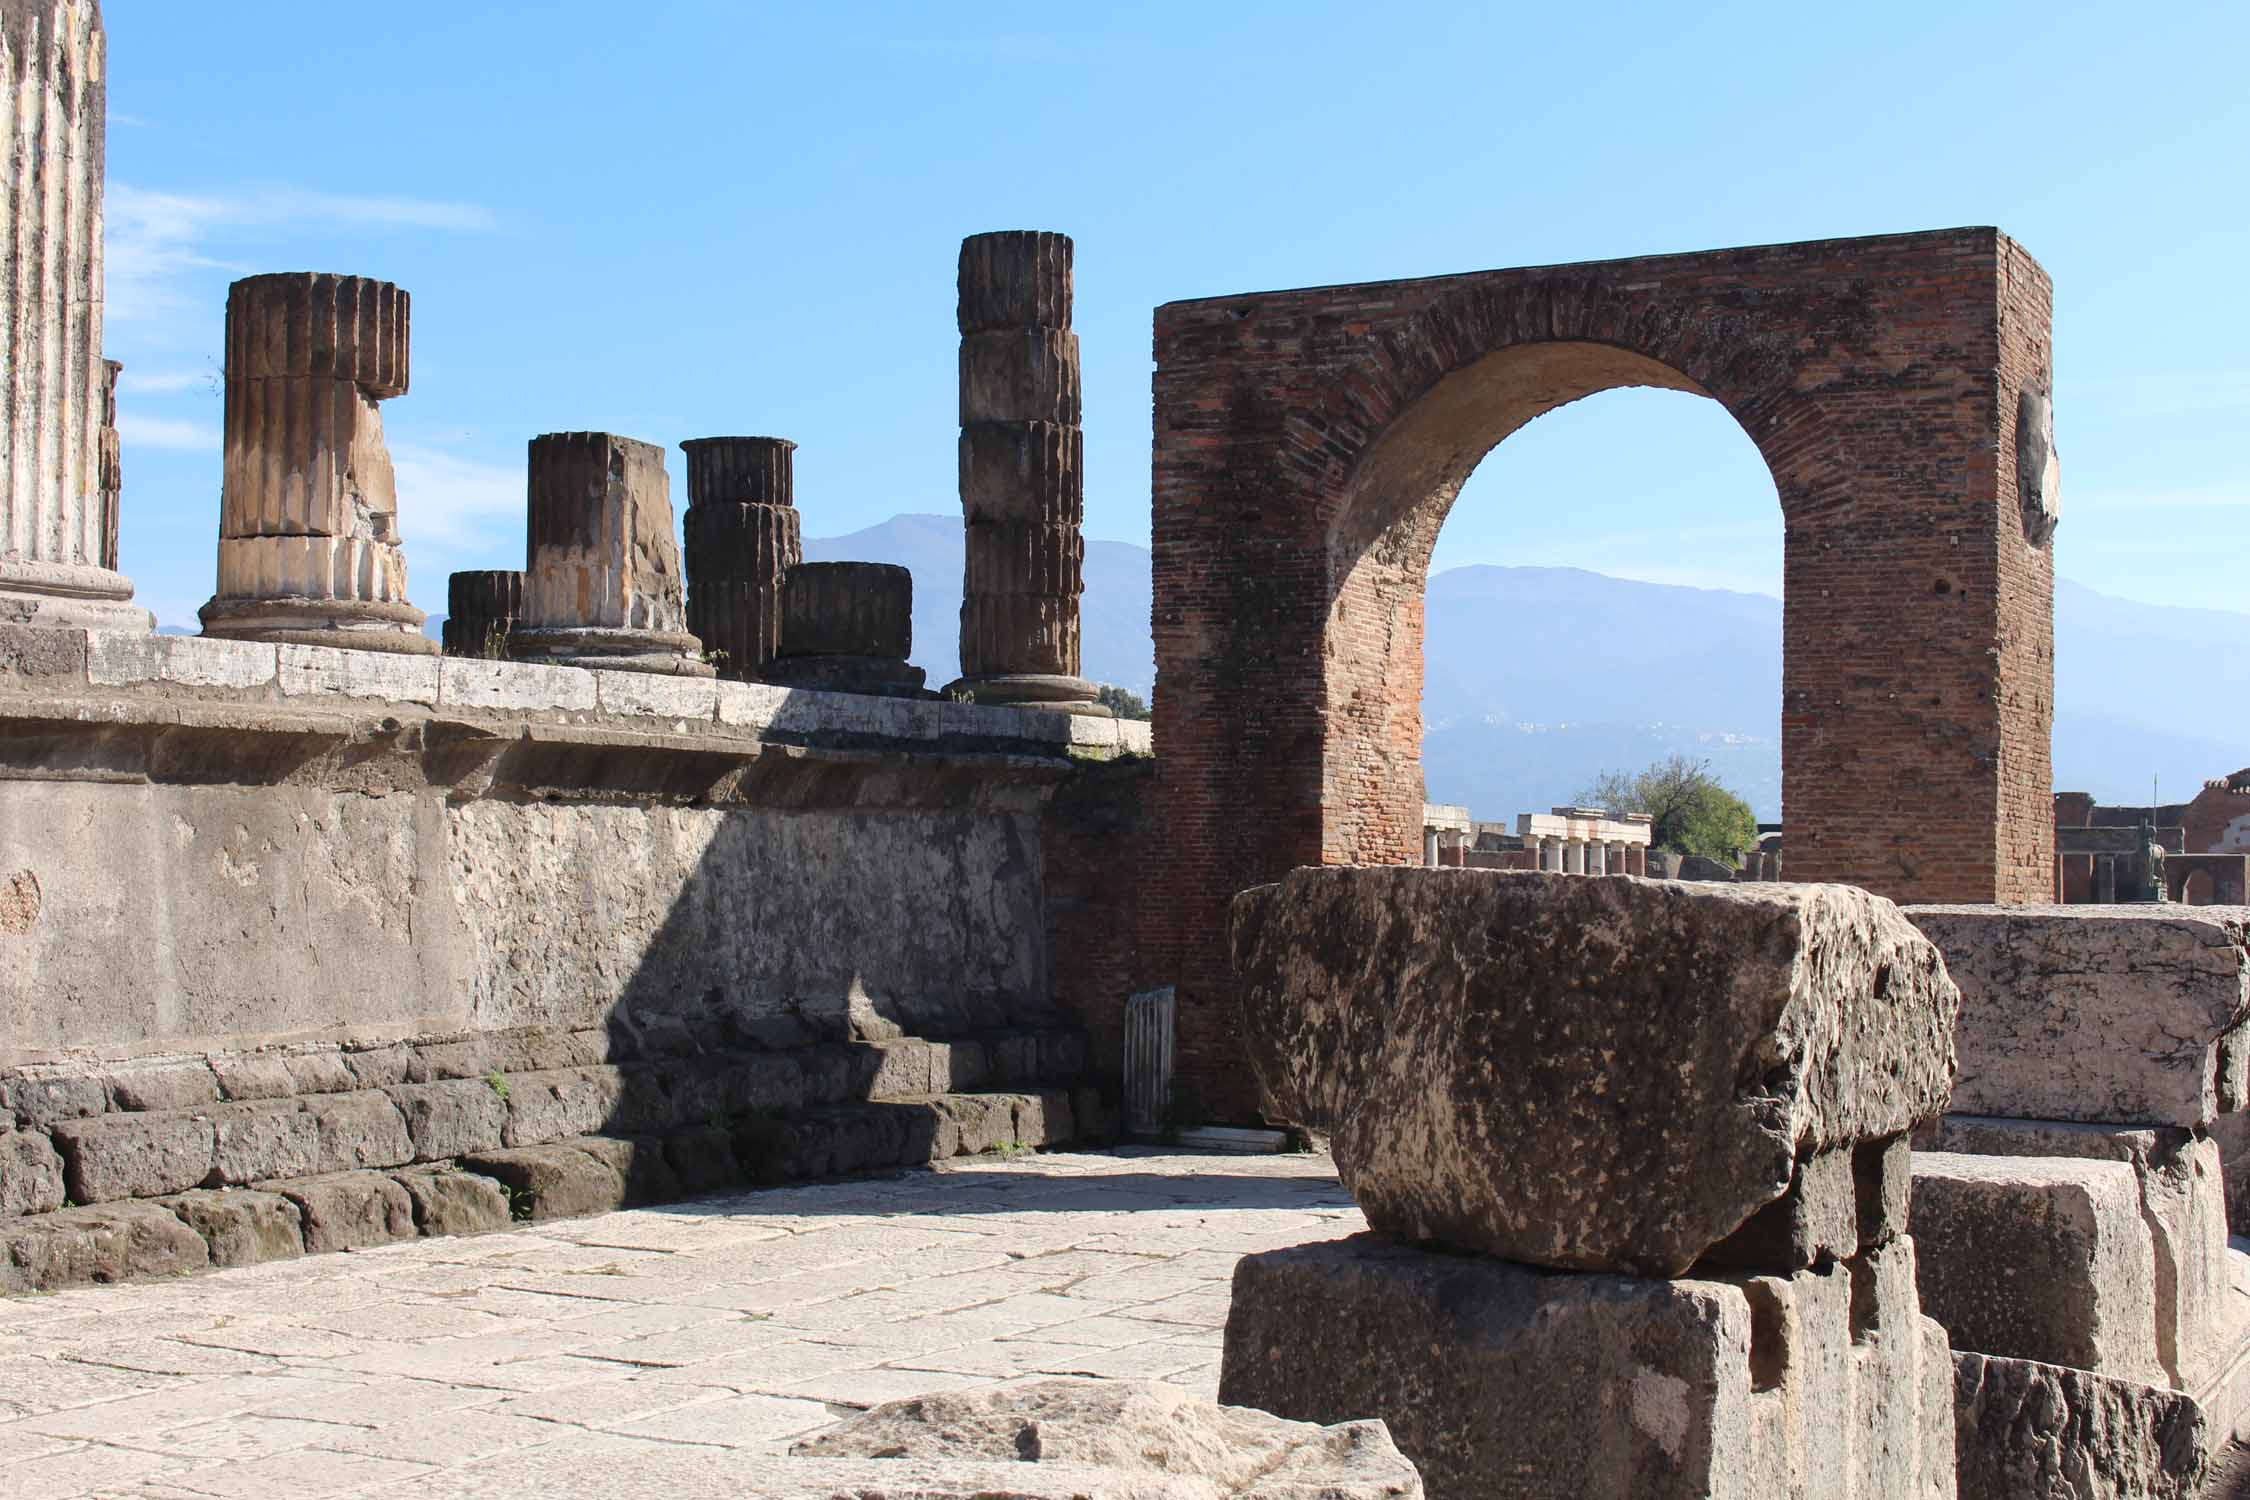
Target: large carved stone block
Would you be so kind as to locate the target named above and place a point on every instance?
(602, 584)
(1501, 1381)
(1600, 1074)
(2116, 1014)
(2031, 1431)
(848, 627)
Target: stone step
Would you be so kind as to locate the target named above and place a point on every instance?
(484, 1189)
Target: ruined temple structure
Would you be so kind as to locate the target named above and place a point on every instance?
(58, 446)
(741, 541)
(2205, 846)
(602, 583)
(1309, 444)
(848, 627)
(1601, 1267)
(309, 546)
(1022, 475)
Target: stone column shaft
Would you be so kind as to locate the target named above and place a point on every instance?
(58, 531)
(742, 539)
(309, 547)
(1022, 480)
(602, 573)
(848, 627)
(480, 609)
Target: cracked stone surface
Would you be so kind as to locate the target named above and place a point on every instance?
(694, 1341)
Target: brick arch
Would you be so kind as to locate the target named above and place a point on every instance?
(1308, 444)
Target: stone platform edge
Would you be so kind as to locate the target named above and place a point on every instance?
(103, 664)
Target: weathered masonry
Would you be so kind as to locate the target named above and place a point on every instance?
(1309, 444)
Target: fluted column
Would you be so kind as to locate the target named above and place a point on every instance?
(58, 525)
(1022, 480)
(848, 627)
(602, 577)
(309, 547)
(480, 609)
(742, 540)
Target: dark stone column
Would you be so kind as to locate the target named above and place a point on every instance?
(742, 540)
(480, 610)
(848, 627)
(1022, 479)
(602, 581)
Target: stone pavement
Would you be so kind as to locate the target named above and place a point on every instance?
(577, 1348)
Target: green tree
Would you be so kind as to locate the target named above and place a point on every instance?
(1127, 705)
(1691, 812)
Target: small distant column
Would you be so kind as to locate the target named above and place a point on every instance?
(308, 507)
(742, 540)
(1022, 480)
(848, 627)
(1638, 858)
(480, 609)
(1550, 855)
(601, 581)
(1615, 863)
(1573, 857)
(58, 438)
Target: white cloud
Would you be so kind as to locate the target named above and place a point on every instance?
(165, 432)
(155, 240)
(168, 382)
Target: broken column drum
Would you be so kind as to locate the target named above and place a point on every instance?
(1634, 1159)
(742, 539)
(480, 609)
(309, 547)
(58, 510)
(602, 577)
(1022, 476)
(848, 627)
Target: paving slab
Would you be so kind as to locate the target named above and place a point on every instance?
(730, 1324)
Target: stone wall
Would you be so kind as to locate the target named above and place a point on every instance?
(272, 916)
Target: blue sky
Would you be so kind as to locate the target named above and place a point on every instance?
(687, 218)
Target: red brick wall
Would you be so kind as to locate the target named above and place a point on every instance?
(1309, 443)
(1095, 841)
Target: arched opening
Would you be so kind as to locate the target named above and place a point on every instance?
(1381, 546)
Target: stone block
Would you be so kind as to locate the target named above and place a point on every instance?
(135, 1155)
(1043, 1118)
(446, 1201)
(242, 1226)
(1100, 1438)
(1818, 1217)
(119, 659)
(689, 699)
(518, 687)
(37, 1101)
(262, 1138)
(561, 1103)
(451, 1117)
(108, 1242)
(825, 1142)
(2031, 1431)
(32, 652)
(551, 1182)
(362, 1129)
(172, 1084)
(1504, 1380)
(2039, 1258)
(255, 1075)
(1062, 1056)
(956, 1067)
(901, 1069)
(1012, 1058)
(640, 1162)
(331, 672)
(1020, 375)
(1092, 1116)
(981, 1122)
(2112, 1014)
(702, 1158)
(1614, 1075)
(379, 1067)
(31, 1173)
(348, 1210)
(2183, 1205)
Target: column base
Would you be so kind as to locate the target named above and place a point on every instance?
(881, 676)
(662, 652)
(69, 596)
(1052, 693)
(345, 624)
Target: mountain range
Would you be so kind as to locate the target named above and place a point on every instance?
(1536, 680)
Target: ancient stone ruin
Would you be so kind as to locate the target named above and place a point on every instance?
(602, 584)
(481, 610)
(848, 627)
(1640, 1227)
(742, 540)
(309, 547)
